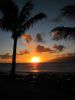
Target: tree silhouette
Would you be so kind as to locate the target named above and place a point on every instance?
(64, 32)
(17, 23)
(68, 11)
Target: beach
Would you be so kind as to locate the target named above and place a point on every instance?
(35, 81)
(43, 85)
(37, 49)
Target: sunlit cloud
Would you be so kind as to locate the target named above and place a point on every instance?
(22, 52)
(59, 47)
(5, 56)
(39, 38)
(56, 35)
(40, 48)
(27, 37)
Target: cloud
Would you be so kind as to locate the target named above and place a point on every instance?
(27, 37)
(56, 35)
(22, 52)
(5, 56)
(40, 48)
(39, 38)
(63, 32)
(58, 19)
(58, 47)
(71, 54)
(68, 57)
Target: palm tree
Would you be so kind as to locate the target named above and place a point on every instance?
(17, 23)
(69, 12)
(63, 32)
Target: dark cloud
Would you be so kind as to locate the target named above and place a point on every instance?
(58, 47)
(22, 52)
(58, 19)
(27, 37)
(68, 57)
(5, 56)
(40, 48)
(39, 38)
(71, 55)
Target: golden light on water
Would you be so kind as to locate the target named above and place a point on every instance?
(35, 59)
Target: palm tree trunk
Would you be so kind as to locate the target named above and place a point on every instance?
(13, 67)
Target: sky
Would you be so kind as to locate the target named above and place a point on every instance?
(37, 41)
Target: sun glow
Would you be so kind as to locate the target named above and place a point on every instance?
(35, 60)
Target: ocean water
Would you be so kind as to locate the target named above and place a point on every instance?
(39, 67)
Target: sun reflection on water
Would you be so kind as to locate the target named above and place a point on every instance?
(35, 67)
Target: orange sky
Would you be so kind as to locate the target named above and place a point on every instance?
(44, 57)
(32, 49)
(39, 35)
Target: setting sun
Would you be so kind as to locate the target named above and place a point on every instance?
(35, 59)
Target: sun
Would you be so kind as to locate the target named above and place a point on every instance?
(35, 59)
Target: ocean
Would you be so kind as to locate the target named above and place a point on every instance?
(39, 67)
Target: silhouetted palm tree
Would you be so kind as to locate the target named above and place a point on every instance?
(63, 32)
(69, 12)
(17, 23)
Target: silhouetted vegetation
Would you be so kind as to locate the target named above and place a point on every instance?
(64, 32)
(17, 23)
(68, 11)
(39, 85)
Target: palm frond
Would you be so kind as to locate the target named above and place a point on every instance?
(15, 23)
(0, 23)
(9, 11)
(26, 12)
(68, 11)
(33, 20)
(5, 26)
(64, 32)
